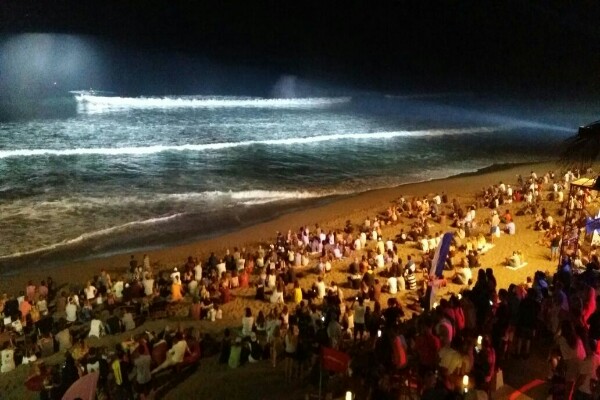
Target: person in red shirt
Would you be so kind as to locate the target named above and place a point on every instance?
(244, 279)
(507, 217)
(427, 346)
(225, 294)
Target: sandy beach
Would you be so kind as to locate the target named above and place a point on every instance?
(329, 216)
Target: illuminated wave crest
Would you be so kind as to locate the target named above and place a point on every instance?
(95, 234)
(91, 104)
(226, 145)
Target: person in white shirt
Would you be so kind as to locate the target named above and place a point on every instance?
(271, 280)
(359, 319)
(374, 235)
(175, 355)
(148, 284)
(7, 357)
(198, 271)
(437, 199)
(117, 288)
(327, 266)
(276, 296)
(96, 328)
(511, 228)
(432, 243)
(146, 262)
(175, 275)
(337, 253)
(90, 291)
(389, 245)
(321, 288)
(463, 275)
(509, 194)
(71, 311)
(425, 244)
(42, 305)
(221, 268)
(247, 322)
(128, 321)
(193, 288)
(380, 260)
(393, 284)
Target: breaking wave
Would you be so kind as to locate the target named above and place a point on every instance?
(145, 150)
(91, 104)
(95, 234)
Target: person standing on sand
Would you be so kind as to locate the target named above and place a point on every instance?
(176, 290)
(133, 264)
(143, 375)
(90, 291)
(147, 263)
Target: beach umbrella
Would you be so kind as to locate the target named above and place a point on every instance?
(84, 388)
(581, 150)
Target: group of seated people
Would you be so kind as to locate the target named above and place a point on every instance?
(96, 306)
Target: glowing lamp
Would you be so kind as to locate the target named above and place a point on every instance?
(479, 341)
(348, 395)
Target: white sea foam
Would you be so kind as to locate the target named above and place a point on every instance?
(94, 234)
(91, 104)
(145, 150)
(248, 197)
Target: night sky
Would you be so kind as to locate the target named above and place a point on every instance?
(525, 47)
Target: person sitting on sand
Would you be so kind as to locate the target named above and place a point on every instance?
(463, 275)
(391, 285)
(514, 261)
(7, 357)
(481, 242)
(510, 228)
(411, 279)
(277, 295)
(473, 260)
(247, 322)
(71, 310)
(96, 328)
(175, 355)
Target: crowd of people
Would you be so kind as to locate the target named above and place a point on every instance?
(469, 333)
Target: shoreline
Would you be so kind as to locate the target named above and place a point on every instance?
(49, 257)
(330, 214)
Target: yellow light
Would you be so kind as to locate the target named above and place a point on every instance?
(479, 341)
(348, 395)
(466, 380)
